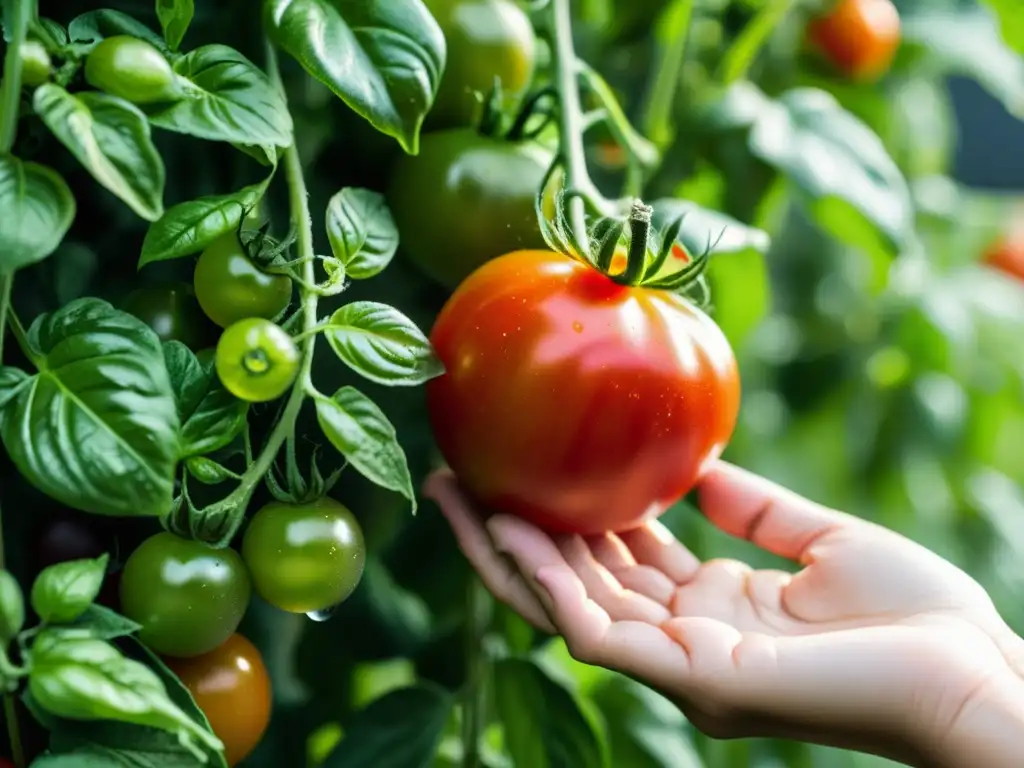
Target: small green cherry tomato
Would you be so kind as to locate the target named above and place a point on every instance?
(256, 360)
(36, 67)
(484, 39)
(171, 311)
(304, 557)
(230, 287)
(132, 69)
(188, 597)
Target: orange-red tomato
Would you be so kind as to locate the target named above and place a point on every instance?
(859, 37)
(1007, 255)
(580, 404)
(230, 684)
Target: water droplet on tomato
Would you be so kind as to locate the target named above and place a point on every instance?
(577, 326)
(322, 615)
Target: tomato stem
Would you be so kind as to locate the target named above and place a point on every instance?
(658, 101)
(743, 52)
(10, 90)
(639, 234)
(570, 116)
(478, 612)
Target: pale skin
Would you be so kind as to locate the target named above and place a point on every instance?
(876, 644)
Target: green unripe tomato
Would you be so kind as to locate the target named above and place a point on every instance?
(230, 287)
(256, 360)
(132, 69)
(188, 597)
(304, 557)
(36, 67)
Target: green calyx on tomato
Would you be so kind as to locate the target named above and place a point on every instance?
(132, 69)
(188, 596)
(256, 360)
(304, 557)
(230, 684)
(230, 286)
(485, 40)
(172, 311)
(859, 37)
(574, 400)
(36, 66)
(466, 199)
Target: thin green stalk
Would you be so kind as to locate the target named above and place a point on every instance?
(6, 283)
(570, 114)
(656, 123)
(11, 714)
(478, 611)
(751, 40)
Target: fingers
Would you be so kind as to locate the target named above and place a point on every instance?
(655, 546)
(500, 577)
(752, 508)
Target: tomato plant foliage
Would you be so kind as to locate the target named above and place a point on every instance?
(255, 285)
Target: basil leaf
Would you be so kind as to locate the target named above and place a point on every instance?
(210, 416)
(38, 209)
(189, 227)
(361, 432)
(175, 16)
(227, 98)
(89, 679)
(96, 427)
(62, 592)
(382, 344)
(12, 608)
(96, 25)
(394, 56)
(361, 231)
(101, 623)
(111, 139)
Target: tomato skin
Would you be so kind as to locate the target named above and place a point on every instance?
(576, 403)
(36, 66)
(464, 200)
(484, 39)
(132, 69)
(231, 685)
(256, 360)
(1007, 256)
(859, 37)
(230, 287)
(188, 597)
(305, 557)
(172, 311)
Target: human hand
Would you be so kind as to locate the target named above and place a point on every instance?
(877, 644)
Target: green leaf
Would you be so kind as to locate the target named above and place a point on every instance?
(361, 231)
(645, 729)
(10, 381)
(394, 55)
(965, 40)
(840, 167)
(83, 758)
(544, 726)
(174, 16)
(12, 608)
(89, 679)
(51, 34)
(380, 343)
(227, 98)
(210, 416)
(208, 471)
(38, 209)
(111, 139)
(1010, 20)
(96, 25)
(363, 435)
(189, 227)
(399, 730)
(96, 427)
(62, 592)
(102, 623)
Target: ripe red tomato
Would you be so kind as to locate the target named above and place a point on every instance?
(859, 37)
(582, 405)
(231, 685)
(1007, 255)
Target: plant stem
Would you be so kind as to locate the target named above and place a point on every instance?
(744, 49)
(298, 199)
(570, 119)
(656, 123)
(10, 91)
(478, 612)
(11, 715)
